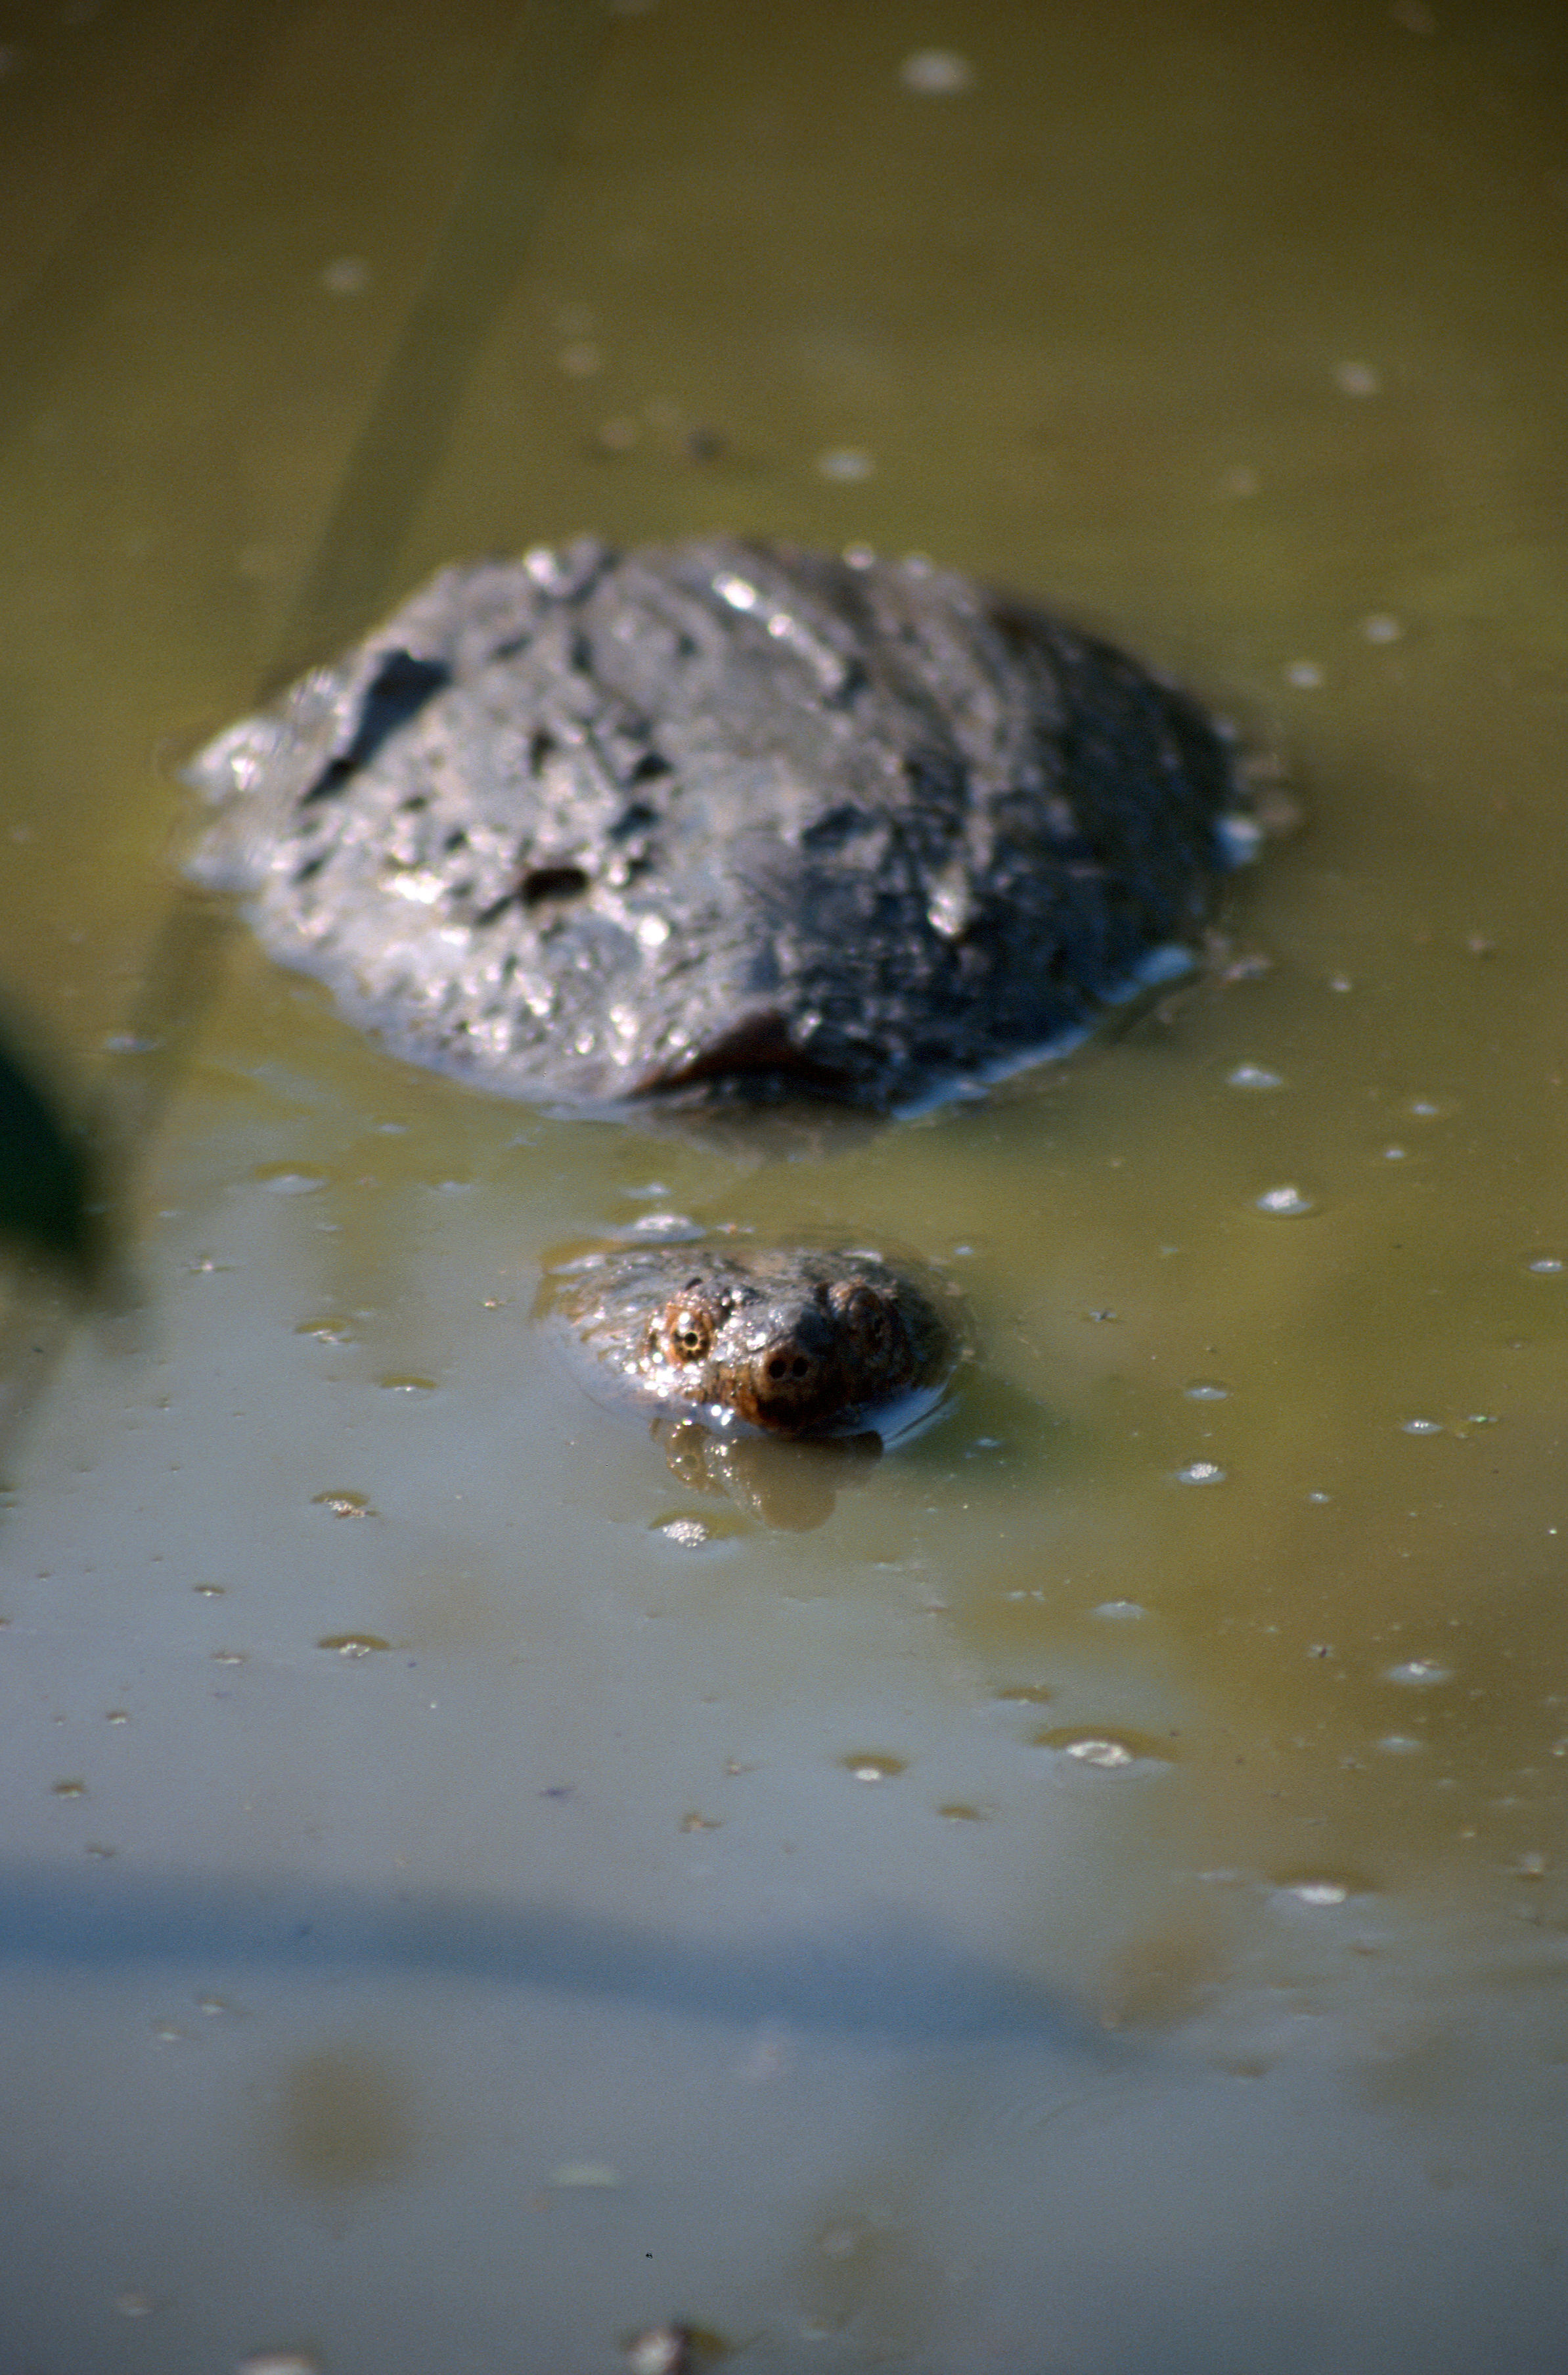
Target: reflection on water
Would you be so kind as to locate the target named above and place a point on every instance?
(794, 1485)
(344, 2121)
(1200, 1669)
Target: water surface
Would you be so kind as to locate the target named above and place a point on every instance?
(1093, 1900)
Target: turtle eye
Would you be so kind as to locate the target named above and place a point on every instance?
(861, 1308)
(690, 1332)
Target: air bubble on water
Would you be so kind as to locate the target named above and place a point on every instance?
(1419, 1673)
(588, 2175)
(875, 1767)
(1357, 379)
(845, 463)
(229, 1656)
(1105, 1756)
(347, 276)
(1547, 1265)
(1026, 1694)
(353, 1645)
(1317, 1892)
(1207, 1389)
(1532, 1865)
(1305, 675)
(1394, 1154)
(343, 1504)
(1400, 1743)
(277, 2362)
(1422, 1426)
(660, 2350)
(1120, 1612)
(283, 1182)
(936, 73)
(1286, 1202)
(69, 1788)
(1380, 628)
(1201, 1472)
(1320, 1499)
(668, 1227)
(399, 1384)
(134, 2304)
(1105, 1752)
(1255, 1075)
(687, 1533)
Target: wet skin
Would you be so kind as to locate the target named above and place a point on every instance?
(792, 1341)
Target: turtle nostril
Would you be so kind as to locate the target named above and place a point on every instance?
(799, 1366)
(775, 1368)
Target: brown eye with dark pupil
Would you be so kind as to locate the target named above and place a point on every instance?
(691, 1336)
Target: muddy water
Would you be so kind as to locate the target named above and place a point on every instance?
(1087, 1891)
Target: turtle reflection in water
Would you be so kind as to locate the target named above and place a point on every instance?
(837, 1350)
(725, 819)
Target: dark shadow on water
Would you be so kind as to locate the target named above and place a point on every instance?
(68, 1159)
(57, 1227)
(475, 261)
(889, 1982)
(50, 1196)
(749, 1120)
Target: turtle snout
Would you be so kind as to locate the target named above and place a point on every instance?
(788, 1365)
(793, 1386)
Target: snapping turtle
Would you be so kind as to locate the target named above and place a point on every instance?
(790, 1340)
(592, 824)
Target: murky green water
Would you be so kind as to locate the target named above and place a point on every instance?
(1092, 1902)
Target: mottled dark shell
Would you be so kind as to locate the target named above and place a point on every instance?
(590, 824)
(791, 1340)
